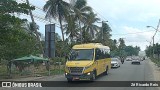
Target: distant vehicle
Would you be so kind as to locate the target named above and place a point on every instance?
(115, 62)
(143, 58)
(142, 55)
(128, 59)
(136, 61)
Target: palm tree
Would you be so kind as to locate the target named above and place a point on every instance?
(113, 45)
(75, 18)
(71, 27)
(122, 43)
(81, 11)
(29, 28)
(57, 9)
(90, 26)
(105, 33)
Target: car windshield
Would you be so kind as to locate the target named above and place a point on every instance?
(114, 59)
(81, 54)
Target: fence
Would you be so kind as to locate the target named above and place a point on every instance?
(31, 70)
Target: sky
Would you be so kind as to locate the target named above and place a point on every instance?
(127, 18)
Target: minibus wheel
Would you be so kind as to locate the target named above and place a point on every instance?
(93, 76)
(106, 72)
(69, 80)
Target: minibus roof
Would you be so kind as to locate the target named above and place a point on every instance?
(89, 46)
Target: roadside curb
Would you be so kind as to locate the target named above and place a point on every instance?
(23, 79)
(32, 78)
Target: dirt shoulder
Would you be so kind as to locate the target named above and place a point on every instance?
(156, 70)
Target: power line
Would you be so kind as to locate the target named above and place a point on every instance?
(37, 16)
(158, 40)
(32, 5)
(46, 20)
(98, 13)
(43, 11)
(111, 26)
(131, 33)
(42, 20)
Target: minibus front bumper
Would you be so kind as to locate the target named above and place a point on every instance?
(85, 76)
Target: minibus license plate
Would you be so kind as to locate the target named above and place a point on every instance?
(75, 78)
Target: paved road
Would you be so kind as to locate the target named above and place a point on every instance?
(126, 72)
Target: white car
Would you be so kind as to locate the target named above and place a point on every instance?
(128, 59)
(115, 62)
(136, 61)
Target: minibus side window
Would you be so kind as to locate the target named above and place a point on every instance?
(97, 54)
(107, 55)
(101, 54)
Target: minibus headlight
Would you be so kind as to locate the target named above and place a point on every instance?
(89, 73)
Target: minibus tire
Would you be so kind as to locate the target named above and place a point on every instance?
(106, 72)
(69, 80)
(93, 76)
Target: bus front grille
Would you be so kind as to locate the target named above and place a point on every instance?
(76, 70)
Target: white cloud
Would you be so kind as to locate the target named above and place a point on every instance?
(139, 37)
(129, 16)
(127, 9)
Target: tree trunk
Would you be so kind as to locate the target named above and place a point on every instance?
(36, 32)
(80, 31)
(60, 22)
(9, 69)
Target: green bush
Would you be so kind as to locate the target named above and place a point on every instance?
(3, 70)
(54, 61)
(156, 61)
(56, 71)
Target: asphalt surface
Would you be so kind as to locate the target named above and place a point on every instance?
(126, 72)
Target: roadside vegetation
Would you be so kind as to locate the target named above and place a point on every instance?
(154, 53)
(156, 61)
(77, 20)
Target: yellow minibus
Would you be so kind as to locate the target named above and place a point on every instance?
(87, 61)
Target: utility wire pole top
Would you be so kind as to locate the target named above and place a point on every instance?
(154, 33)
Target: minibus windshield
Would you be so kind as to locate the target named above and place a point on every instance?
(81, 54)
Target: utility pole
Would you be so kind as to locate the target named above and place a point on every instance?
(153, 46)
(35, 29)
(150, 42)
(102, 31)
(81, 34)
(154, 33)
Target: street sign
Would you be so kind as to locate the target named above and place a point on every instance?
(50, 40)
